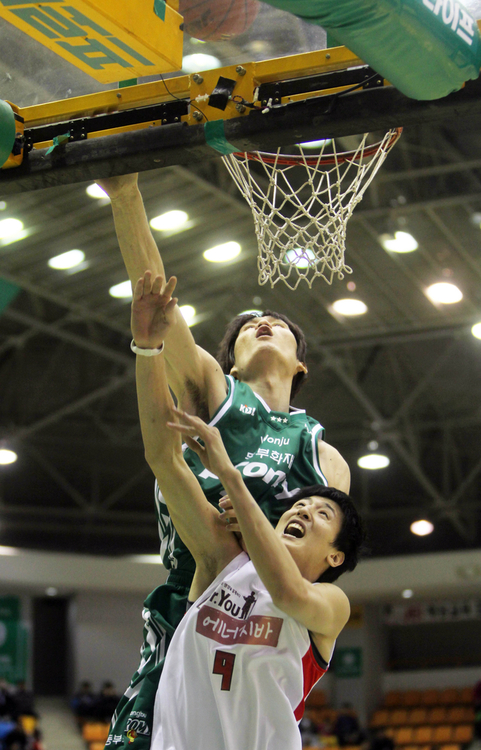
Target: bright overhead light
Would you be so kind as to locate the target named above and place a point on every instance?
(9, 550)
(151, 559)
(349, 307)
(407, 593)
(95, 191)
(444, 292)
(121, 291)
(199, 61)
(7, 456)
(222, 253)
(300, 257)
(373, 461)
(10, 228)
(188, 313)
(399, 242)
(70, 259)
(422, 527)
(51, 591)
(316, 144)
(169, 221)
(476, 330)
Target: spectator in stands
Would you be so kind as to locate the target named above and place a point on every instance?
(308, 730)
(106, 702)
(37, 743)
(16, 739)
(23, 700)
(346, 728)
(84, 703)
(380, 740)
(7, 707)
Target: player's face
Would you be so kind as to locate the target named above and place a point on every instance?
(309, 530)
(265, 336)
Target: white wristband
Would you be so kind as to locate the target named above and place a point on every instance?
(146, 352)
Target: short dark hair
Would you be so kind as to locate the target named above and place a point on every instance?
(225, 352)
(351, 538)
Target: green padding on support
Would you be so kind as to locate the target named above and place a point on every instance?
(128, 82)
(426, 48)
(8, 292)
(7, 131)
(215, 137)
(159, 9)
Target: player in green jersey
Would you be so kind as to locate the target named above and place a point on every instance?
(279, 449)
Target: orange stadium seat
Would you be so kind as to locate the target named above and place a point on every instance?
(456, 715)
(399, 717)
(442, 734)
(380, 718)
(317, 699)
(411, 698)
(437, 715)
(403, 736)
(423, 735)
(95, 732)
(466, 695)
(417, 716)
(430, 697)
(451, 746)
(449, 696)
(463, 733)
(393, 698)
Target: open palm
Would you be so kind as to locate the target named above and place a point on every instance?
(153, 310)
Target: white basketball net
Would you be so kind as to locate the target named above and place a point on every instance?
(301, 227)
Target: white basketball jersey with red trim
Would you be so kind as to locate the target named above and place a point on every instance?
(237, 672)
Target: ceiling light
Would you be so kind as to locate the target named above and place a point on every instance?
(399, 242)
(301, 258)
(10, 228)
(476, 330)
(70, 259)
(3, 205)
(121, 291)
(152, 559)
(51, 591)
(407, 593)
(169, 221)
(8, 550)
(316, 144)
(199, 61)
(373, 461)
(444, 292)
(422, 527)
(222, 253)
(188, 313)
(7, 457)
(95, 191)
(349, 307)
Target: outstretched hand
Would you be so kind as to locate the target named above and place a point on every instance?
(212, 453)
(153, 310)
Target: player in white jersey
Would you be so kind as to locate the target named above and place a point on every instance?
(244, 656)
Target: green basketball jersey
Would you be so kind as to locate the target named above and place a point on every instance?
(276, 453)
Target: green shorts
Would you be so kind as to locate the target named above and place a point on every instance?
(131, 725)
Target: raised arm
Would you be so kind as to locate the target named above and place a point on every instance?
(322, 608)
(196, 521)
(334, 467)
(194, 376)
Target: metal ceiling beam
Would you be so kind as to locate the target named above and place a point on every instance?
(440, 169)
(81, 403)
(56, 475)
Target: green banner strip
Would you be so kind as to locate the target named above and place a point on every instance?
(57, 141)
(159, 9)
(8, 292)
(7, 131)
(215, 137)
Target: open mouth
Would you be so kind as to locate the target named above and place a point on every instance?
(263, 331)
(294, 529)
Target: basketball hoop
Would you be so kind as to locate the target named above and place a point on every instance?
(301, 205)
